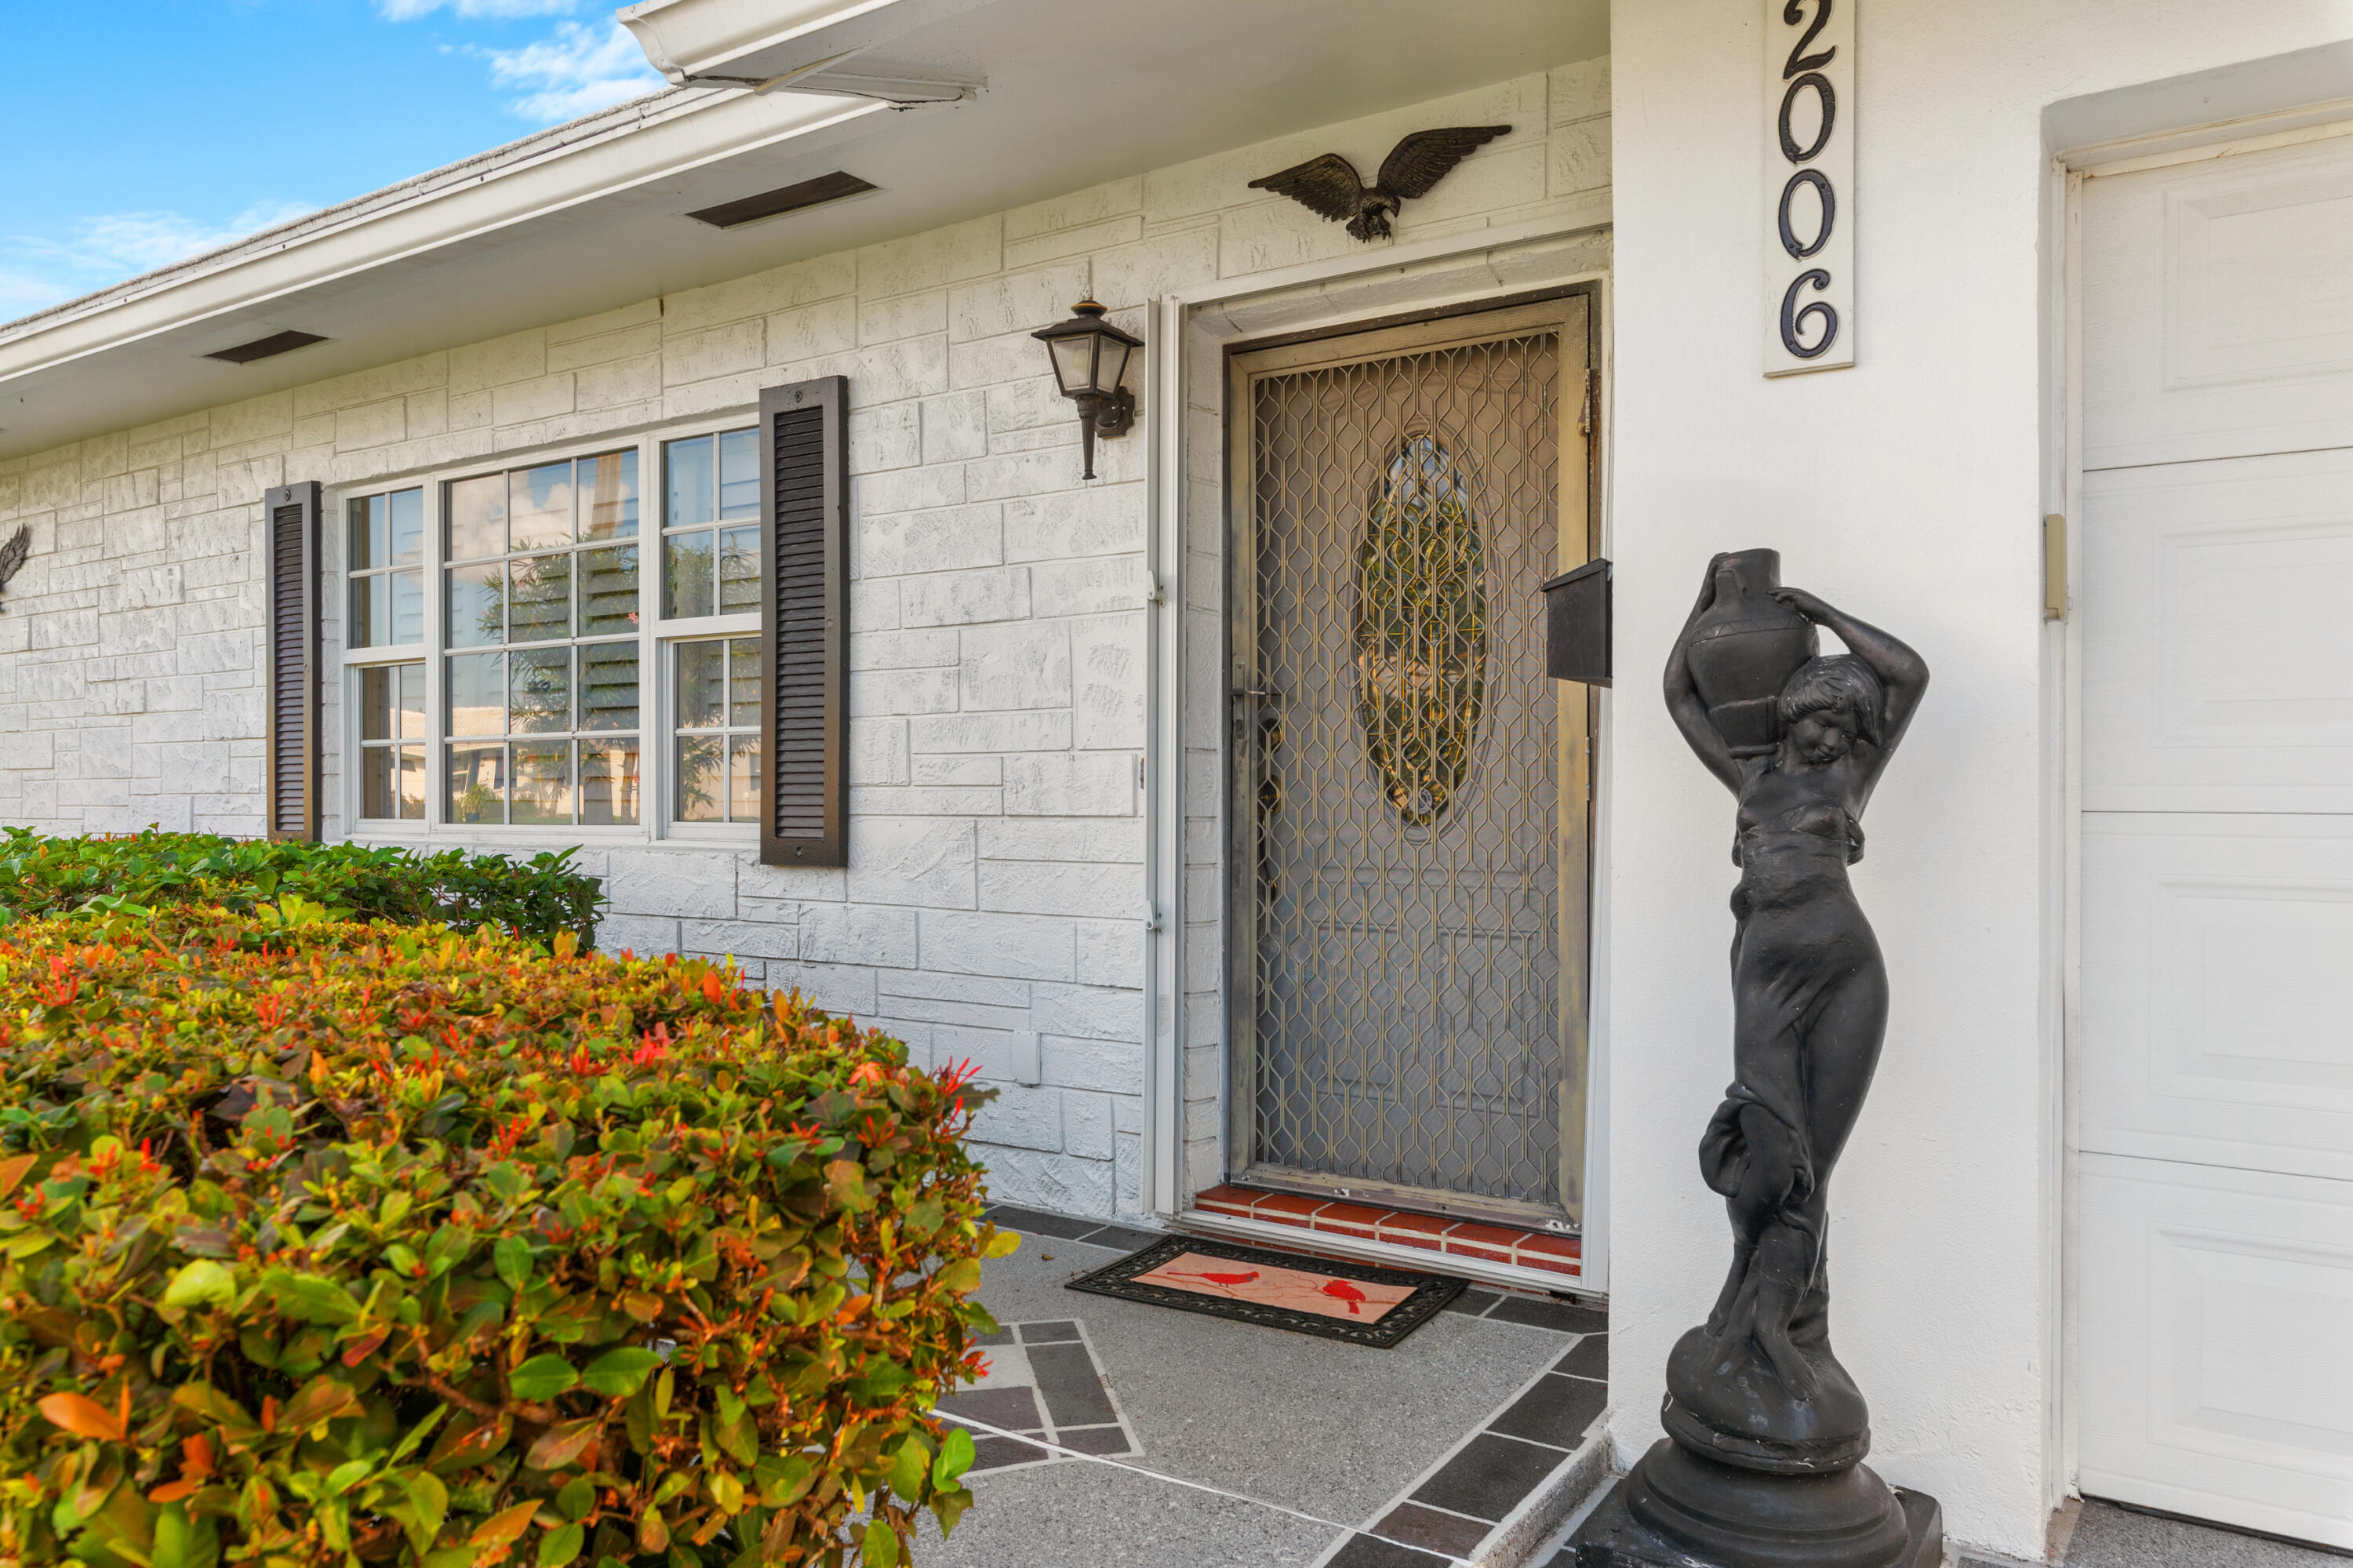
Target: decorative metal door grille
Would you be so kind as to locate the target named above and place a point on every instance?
(1400, 757)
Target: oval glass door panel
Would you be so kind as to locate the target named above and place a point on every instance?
(1421, 629)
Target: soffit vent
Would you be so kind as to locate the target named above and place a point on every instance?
(263, 347)
(781, 200)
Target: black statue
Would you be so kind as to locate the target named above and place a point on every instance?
(1329, 184)
(1765, 1430)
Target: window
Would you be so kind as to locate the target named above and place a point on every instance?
(575, 642)
(385, 549)
(392, 742)
(542, 722)
(710, 525)
(718, 713)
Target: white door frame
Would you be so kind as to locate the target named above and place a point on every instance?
(1188, 329)
(2062, 729)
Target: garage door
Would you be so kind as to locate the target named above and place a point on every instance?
(2215, 1228)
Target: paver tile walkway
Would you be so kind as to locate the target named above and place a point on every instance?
(1256, 1447)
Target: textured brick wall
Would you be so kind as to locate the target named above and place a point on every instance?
(997, 700)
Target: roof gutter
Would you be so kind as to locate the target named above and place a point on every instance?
(614, 150)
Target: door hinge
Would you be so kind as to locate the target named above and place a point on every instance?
(1584, 416)
(2055, 567)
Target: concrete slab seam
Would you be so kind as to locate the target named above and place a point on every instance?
(986, 1429)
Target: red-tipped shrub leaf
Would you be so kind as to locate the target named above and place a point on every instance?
(418, 1246)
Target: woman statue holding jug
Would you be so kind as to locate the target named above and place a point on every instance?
(1809, 738)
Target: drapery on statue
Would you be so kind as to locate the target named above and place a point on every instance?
(1765, 1431)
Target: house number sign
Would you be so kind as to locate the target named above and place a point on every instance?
(1808, 240)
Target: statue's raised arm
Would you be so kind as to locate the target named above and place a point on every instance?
(1903, 674)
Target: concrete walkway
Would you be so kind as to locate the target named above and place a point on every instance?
(2100, 1535)
(1215, 1444)
(2107, 1536)
(1255, 1447)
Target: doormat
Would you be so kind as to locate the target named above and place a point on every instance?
(1351, 1301)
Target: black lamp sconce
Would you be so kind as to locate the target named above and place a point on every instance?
(1090, 357)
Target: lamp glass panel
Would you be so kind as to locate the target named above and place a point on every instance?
(1115, 363)
(1074, 358)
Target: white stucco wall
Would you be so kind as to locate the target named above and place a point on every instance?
(997, 625)
(1909, 490)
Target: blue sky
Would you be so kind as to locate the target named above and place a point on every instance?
(142, 131)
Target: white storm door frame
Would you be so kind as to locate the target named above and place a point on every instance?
(1175, 362)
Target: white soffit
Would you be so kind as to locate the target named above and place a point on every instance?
(590, 215)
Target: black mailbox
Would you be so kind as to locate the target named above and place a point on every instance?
(1576, 624)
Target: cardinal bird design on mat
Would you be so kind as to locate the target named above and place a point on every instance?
(1341, 1290)
(1227, 1280)
(13, 554)
(1331, 187)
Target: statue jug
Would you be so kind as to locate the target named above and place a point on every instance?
(1744, 649)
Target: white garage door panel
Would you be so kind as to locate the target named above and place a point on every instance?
(2213, 1058)
(2216, 1383)
(2218, 636)
(2218, 990)
(2218, 307)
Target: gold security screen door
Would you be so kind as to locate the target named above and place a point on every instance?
(1410, 805)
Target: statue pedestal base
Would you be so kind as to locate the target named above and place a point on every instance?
(1678, 1510)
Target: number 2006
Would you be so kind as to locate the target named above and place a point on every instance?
(1802, 72)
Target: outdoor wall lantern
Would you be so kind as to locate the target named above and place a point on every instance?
(1090, 357)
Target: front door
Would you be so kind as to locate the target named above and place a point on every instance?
(2215, 1241)
(1410, 792)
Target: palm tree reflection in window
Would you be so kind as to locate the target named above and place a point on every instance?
(1421, 630)
(718, 731)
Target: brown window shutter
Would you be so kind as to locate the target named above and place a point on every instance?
(805, 622)
(293, 740)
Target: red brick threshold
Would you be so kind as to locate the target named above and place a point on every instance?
(1495, 1255)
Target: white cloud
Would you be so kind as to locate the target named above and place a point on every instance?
(147, 240)
(105, 249)
(409, 10)
(22, 293)
(577, 71)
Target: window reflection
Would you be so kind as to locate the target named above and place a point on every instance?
(537, 732)
(708, 569)
(717, 703)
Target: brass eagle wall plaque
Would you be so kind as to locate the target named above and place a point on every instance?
(13, 554)
(1330, 186)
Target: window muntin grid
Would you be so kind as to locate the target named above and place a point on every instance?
(541, 724)
(477, 528)
(393, 739)
(716, 708)
(385, 555)
(545, 735)
(710, 524)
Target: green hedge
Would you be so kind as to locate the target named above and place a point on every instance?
(327, 1243)
(537, 897)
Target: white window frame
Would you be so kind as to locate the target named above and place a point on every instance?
(656, 639)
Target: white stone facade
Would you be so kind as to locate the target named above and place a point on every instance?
(993, 907)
